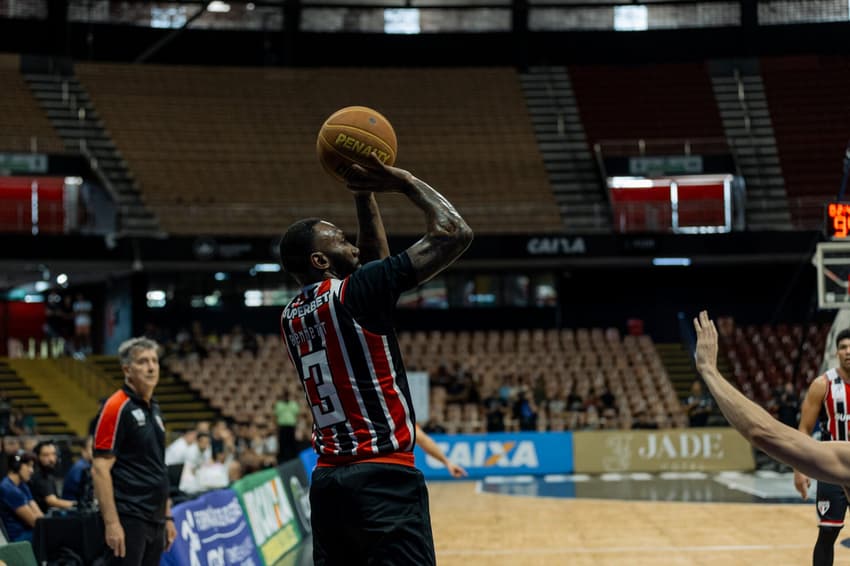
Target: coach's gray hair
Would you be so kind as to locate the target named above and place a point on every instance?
(125, 350)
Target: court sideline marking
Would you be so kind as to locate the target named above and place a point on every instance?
(617, 550)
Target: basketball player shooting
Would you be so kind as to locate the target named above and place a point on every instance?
(369, 502)
(823, 461)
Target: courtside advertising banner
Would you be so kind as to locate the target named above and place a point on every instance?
(501, 454)
(298, 488)
(211, 531)
(674, 449)
(270, 515)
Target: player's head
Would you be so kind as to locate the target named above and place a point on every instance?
(842, 349)
(313, 249)
(140, 363)
(843, 335)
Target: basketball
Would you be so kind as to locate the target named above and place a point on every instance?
(350, 135)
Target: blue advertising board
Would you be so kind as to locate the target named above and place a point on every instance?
(501, 454)
(212, 531)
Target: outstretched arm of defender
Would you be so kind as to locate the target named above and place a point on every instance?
(447, 233)
(808, 418)
(825, 461)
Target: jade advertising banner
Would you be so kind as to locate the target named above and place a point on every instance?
(270, 515)
(675, 449)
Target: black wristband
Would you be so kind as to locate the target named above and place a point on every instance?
(169, 518)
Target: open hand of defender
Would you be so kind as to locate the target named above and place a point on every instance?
(706, 351)
(378, 178)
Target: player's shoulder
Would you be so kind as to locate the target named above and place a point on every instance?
(819, 384)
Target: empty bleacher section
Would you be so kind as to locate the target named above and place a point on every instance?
(807, 97)
(25, 401)
(25, 127)
(654, 110)
(663, 104)
(568, 159)
(243, 386)
(764, 357)
(232, 150)
(64, 395)
(181, 407)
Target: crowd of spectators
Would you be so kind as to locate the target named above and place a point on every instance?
(520, 403)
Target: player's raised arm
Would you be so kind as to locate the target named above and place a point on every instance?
(825, 461)
(371, 235)
(447, 233)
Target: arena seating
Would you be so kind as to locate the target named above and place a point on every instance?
(763, 357)
(232, 150)
(658, 103)
(549, 362)
(20, 115)
(555, 361)
(807, 97)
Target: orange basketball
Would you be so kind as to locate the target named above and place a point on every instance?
(350, 135)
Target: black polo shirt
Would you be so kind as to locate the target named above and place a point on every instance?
(134, 432)
(42, 484)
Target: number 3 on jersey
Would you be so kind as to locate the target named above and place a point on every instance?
(324, 401)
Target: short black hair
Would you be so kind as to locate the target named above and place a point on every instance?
(296, 245)
(42, 444)
(843, 335)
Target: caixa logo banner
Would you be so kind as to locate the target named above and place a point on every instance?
(501, 454)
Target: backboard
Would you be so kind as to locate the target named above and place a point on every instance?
(832, 261)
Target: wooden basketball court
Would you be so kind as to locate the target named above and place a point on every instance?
(472, 529)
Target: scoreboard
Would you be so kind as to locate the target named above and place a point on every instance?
(837, 224)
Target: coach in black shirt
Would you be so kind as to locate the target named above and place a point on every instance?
(129, 472)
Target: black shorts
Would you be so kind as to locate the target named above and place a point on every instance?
(831, 504)
(374, 514)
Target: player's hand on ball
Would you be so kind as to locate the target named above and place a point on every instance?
(378, 177)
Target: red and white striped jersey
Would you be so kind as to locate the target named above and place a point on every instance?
(340, 338)
(835, 407)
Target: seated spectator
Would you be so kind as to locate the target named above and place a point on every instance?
(495, 411)
(176, 452)
(43, 481)
(698, 405)
(574, 400)
(525, 411)
(457, 390)
(77, 485)
(223, 442)
(507, 389)
(18, 509)
(434, 427)
(198, 456)
(592, 400)
(198, 453)
(608, 400)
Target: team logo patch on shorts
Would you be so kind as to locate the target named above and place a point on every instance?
(823, 507)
